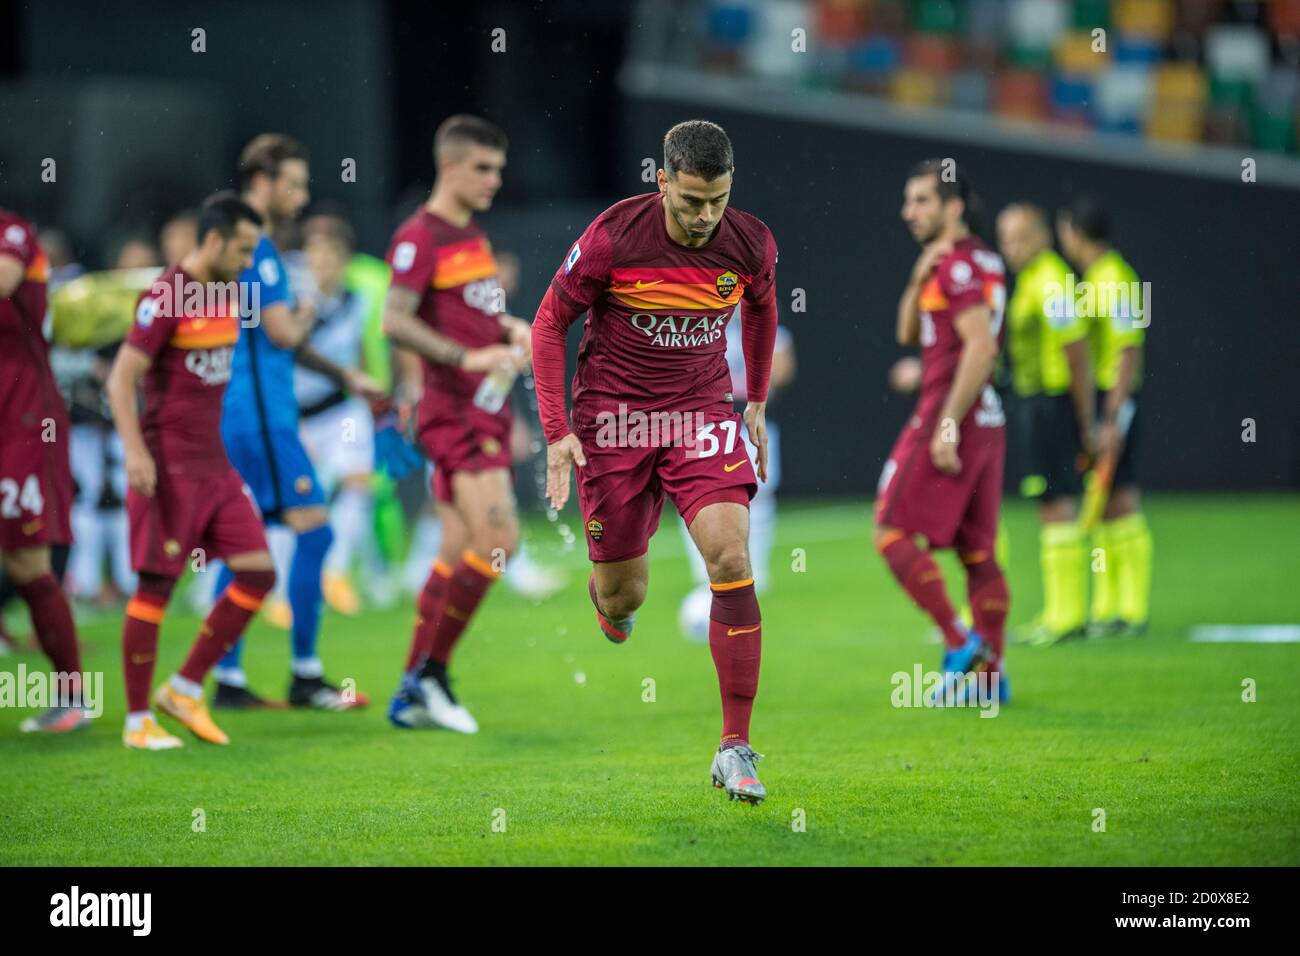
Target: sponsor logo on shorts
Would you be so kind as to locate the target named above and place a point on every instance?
(726, 284)
(490, 446)
(302, 484)
(733, 466)
(171, 547)
(595, 529)
(31, 527)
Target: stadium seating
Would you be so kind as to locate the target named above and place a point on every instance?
(1212, 71)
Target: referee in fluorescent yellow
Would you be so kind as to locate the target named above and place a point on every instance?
(1047, 345)
(1117, 308)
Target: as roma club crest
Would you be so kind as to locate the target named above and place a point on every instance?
(595, 529)
(490, 446)
(726, 284)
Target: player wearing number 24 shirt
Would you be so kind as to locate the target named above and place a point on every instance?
(35, 480)
(661, 275)
(943, 479)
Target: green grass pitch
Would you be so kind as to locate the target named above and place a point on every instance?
(574, 767)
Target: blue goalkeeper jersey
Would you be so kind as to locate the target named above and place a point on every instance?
(260, 395)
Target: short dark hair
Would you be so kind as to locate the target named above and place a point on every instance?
(951, 182)
(224, 211)
(326, 223)
(463, 129)
(1089, 216)
(265, 153)
(698, 148)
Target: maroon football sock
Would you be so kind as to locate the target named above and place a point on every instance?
(736, 642)
(433, 597)
(52, 621)
(469, 584)
(226, 622)
(144, 613)
(923, 581)
(990, 601)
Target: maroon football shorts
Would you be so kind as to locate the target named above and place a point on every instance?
(621, 490)
(35, 491)
(213, 512)
(472, 441)
(952, 511)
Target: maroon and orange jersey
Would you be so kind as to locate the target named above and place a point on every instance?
(28, 394)
(655, 338)
(191, 350)
(972, 274)
(453, 271)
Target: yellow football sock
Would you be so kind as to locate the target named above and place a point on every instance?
(1065, 585)
(1104, 563)
(1131, 543)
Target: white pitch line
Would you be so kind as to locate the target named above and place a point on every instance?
(1245, 634)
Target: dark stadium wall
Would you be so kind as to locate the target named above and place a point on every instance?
(142, 123)
(1222, 259)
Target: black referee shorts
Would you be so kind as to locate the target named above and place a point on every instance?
(1049, 437)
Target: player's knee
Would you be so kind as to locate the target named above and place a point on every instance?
(496, 548)
(728, 563)
(621, 598)
(26, 564)
(251, 585)
(885, 537)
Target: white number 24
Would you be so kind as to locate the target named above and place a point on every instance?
(14, 502)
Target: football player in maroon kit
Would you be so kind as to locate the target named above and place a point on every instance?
(35, 479)
(943, 479)
(446, 306)
(185, 500)
(661, 274)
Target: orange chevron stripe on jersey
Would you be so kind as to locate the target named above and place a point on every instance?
(205, 333)
(677, 287)
(39, 270)
(932, 298)
(462, 262)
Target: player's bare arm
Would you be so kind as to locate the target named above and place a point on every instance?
(756, 424)
(978, 354)
(12, 271)
(563, 450)
(1081, 392)
(353, 379)
(403, 327)
(128, 369)
(288, 328)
